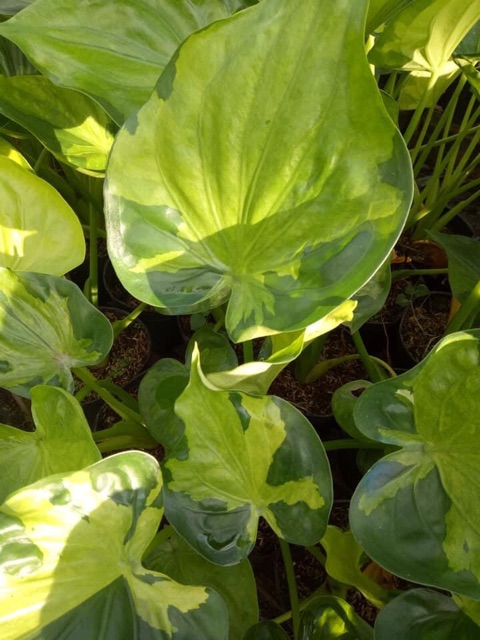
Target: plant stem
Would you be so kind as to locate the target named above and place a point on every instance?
(350, 443)
(367, 361)
(122, 410)
(93, 261)
(120, 325)
(292, 585)
(469, 307)
(406, 273)
(317, 554)
(40, 160)
(417, 114)
(247, 351)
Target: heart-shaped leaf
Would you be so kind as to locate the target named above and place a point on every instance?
(215, 205)
(242, 457)
(61, 442)
(171, 555)
(70, 125)
(70, 560)
(415, 512)
(38, 230)
(112, 51)
(47, 327)
(420, 614)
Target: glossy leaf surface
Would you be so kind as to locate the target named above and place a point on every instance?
(70, 559)
(327, 618)
(242, 457)
(371, 297)
(70, 125)
(415, 512)
(421, 614)
(216, 205)
(112, 50)
(171, 555)
(47, 327)
(38, 230)
(61, 442)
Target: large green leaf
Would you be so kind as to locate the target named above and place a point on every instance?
(422, 614)
(242, 457)
(263, 169)
(416, 511)
(112, 50)
(330, 618)
(171, 555)
(38, 230)
(266, 630)
(70, 125)
(70, 560)
(61, 442)
(421, 39)
(381, 11)
(47, 327)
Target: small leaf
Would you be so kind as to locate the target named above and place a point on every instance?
(327, 618)
(242, 457)
(344, 560)
(61, 442)
(47, 327)
(426, 490)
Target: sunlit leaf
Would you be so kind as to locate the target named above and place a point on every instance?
(242, 457)
(61, 442)
(216, 206)
(70, 560)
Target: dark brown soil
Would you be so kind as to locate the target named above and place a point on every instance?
(424, 323)
(315, 398)
(15, 411)
(128, 357)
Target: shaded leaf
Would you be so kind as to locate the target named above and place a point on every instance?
(47, 327)
(171, 555)
(415, 512)
(112, 50)
(420, 614)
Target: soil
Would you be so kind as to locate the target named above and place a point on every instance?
(315, 398)
(15, 411)
(424, 323)
(128, 357)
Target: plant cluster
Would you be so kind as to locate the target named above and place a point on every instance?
(251, 164)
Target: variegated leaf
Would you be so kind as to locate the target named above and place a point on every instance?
(70, 561)
(240, 458)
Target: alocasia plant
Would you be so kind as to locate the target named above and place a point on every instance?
(258, 167)
(257, 175)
